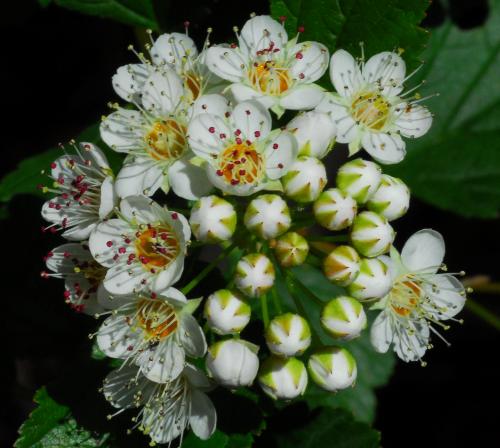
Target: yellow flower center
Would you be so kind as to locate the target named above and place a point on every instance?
(193, 85)
(156, 247)
(270, 78)
(166, 140)
(156, 318)
(405, 296)
(371, 109)
(240, 164)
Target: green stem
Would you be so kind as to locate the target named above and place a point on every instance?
(483, 313)
(194, 282)
(276, 300)
(265, 310)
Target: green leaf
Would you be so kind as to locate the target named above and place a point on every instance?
(131, 12)
(457, 165)
(218, 440)
(381, 25)
(331, 428)
(33, 170)
(50, 425)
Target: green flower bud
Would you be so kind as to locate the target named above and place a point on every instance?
(291, 249)
(344, 318)
(332, 368)
(341, 266)
(392, 198)
(267, 216)
(254, 275)
(288, 335)
(359, 178)
(283, 378)
(373, 281)
(226, 313)
(305, 180)
(213, 219)
(334, 209)
(371, 234)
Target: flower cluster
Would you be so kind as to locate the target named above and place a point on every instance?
(199, 127)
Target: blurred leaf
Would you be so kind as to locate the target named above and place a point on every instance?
(457, 165)
(381, 25)
(131, 12)
(33, 170)
(218, 440)
(50, 425)
(331, 428)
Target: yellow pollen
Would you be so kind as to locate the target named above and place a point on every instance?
(240, 164)
(269, 78)
(166, 140)
(156, 318)
(405, 296)
(156, 247)
(193, 85)
(371, 109)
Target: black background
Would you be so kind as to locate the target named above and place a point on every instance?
(55, 81)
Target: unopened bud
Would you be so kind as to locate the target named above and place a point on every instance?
(341, 266)
(333, 368)
(291, 249)
(288, 335)
(305, 180)
(334, 209)
(283, 378)
(254, 275)
(373, 281)
(267, 216)
(213, 219)
(359, 178)
(226, 313)
(371, 234)
(391, 199)
(344, 318)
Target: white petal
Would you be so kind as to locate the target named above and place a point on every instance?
(260, 32)
(81, 231)
(411, 346)
(94, 156)
(226, 63)
(115, 337)
(312, 64)
(203, 419)
(180, 225)
(334, 105)
(424, 251)
(447, 294)
(279, 160)
(122, 130)
(139, 176)
(192, 337)
(108, 231)
(237, 190)
(129, 80)
(188, 181)
(388, 70)
(167, 363)
(414, 121)
(109, 197)
(162, 92)
(207, 134)
(243, 92)
(123, 279)
(65, 264)
(381, 333)
(384, 148)
(250, 118)
(344, 73)
(140, 208)
(175, 49)
(300, 97)
(122, 385)
(197, 378)
(214, 104)
(173, 293)
(169, 275)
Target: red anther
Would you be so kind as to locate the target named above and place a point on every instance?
(115, 257)
(44, 274)
(51, 205)
(211, 129)
(109, 243)
(242, 172)
(230, 166)
(154, 233)
(301, 75)
(257, 134)
(227, 114)
(67, 294)
(233, 45)
(137, 234)
(66, 255)
(280, 165)
(299, 55)
(275, 146)
(301, 29)
(144, 260)
(130, 348)
(222, 135)
(127, 241)
(53, 230)
(60, 181)
(86, 146)
(203, 106)
(153, 295)
(237, 132)
(131, 257)
(40, 186)
(234, 182)
(248, 112)
(58, 206)
(243, 160)
(65, 196)
(282, 19)
(219, 173)
(163, 236)
(248, 142)
(175, 215)
(153, 271)
(122, 250)
(186, 24)
(50, 254)
(143, 281)
(53, 165)
(239, 141)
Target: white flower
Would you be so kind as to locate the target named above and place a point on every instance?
(269, 68)
(144, 248)
(154, 332)
(359, 179)
(341, 266)
(254, 275)
(373, 280)
(155, 139)
(305, 180)
(371, 234)
(334, 209)
(392, 198)
(267, 216)
(168, 409)
(85, 192)
(332, 368)
(226, 312)
(315, 133)
(291, 249)
(213, 219)
(343, 317)
(369, 108)
(288, 335)
(82, 275)
(233, 362)
(240, 153)
(420, 298)
(283, 378)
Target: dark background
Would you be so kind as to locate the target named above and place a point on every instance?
(55, 81)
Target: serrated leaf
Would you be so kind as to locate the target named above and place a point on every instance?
(457, 165)
(131, 12)
(218, 440)
(331, 428)
(381, 25)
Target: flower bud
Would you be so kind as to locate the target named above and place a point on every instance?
(254, 275)
(359, 178)
(392, 198)
(344, 318)
(334, 209)
(373, 281)
(341, 266)
(371, 234)
(283, 378)
(226, 313)
(291, 249)
(213, 219)
(267, 216)
(332, 368)
(315, 133)
(305, 180)
(233, 362)
(288, 335)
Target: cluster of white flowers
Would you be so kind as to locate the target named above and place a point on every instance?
(199, 126)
